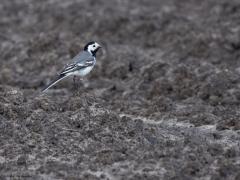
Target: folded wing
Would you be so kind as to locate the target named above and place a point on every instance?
(77, 66)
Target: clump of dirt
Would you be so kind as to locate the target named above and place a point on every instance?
(161, 103)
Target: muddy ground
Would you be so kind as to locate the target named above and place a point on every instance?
(163, 101)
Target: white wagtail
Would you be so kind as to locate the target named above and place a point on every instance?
(81, 64)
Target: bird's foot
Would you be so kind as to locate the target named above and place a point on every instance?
(75, 85)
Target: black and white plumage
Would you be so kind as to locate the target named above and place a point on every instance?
(81, 64)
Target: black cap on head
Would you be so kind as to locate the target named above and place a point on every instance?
(86, 46)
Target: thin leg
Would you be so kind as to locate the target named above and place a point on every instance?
(74, 82)
(75, 85)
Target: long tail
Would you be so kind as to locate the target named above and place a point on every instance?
(59, 78)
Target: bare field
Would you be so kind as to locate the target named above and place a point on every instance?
(163, 101)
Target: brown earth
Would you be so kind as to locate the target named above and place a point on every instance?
(162, 103)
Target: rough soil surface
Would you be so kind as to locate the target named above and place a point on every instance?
(163, 101)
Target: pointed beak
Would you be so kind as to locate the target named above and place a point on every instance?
(98, 46)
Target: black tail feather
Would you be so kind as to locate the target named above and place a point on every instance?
(56, 80)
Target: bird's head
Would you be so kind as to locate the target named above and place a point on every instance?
(92, 47)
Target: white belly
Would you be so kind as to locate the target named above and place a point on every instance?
(83, 72)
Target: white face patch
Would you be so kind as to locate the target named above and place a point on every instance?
(93, 47)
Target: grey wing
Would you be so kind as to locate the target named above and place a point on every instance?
(80, 61)
(82, 57)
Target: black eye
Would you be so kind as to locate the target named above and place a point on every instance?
(93, 45)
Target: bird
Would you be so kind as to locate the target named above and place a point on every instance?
(80, 65)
